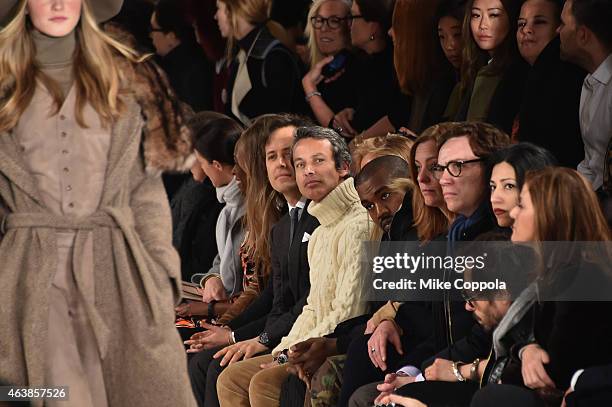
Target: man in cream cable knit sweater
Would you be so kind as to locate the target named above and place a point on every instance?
(321, 159)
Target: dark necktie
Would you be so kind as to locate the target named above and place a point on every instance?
(295, 217)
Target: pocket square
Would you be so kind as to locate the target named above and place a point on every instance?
(306, 237)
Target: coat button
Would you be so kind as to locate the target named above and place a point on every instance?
(62, 117)
(66, 169)
(71, 205)
(68, 188)
(64, 134)
(64, 152)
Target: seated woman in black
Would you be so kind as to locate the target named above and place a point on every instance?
(328, 33)
(264, 74)
(542, 339)
(549, 113)
(426, 78)
(375, 82)
(492, 73)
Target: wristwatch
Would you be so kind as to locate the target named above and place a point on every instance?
(474, 369)
(263, 338)
(282, 357)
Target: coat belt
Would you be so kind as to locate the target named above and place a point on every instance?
(83, 227)
(51, 221)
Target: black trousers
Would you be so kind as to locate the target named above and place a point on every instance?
(359, 370)
(441, 394)
(505, 395)
(203, 373)
(293, 392)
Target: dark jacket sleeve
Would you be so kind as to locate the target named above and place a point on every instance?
(594, 378)
(506, 102)
(579, 337)
(251, 322)
(280, 326)
(283, 82)
(476, 345)
(348, 330)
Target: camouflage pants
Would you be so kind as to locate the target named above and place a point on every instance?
(326, 383)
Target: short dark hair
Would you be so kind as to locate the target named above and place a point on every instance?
(379, 11)
(216, 139)
(340, 149)
(523, 157)
(171, 16)
(281, 120)
(393, 165)
(596, 15)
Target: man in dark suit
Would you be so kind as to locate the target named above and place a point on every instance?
(263, 324)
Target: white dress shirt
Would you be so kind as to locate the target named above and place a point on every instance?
(596, 121)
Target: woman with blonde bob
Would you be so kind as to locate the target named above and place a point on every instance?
(88, 269)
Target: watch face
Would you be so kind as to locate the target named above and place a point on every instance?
(263, 338)
(282, 358)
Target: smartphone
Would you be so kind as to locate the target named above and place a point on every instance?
(336, 64)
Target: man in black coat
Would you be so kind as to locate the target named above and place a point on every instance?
(269, 318)
(549, 112)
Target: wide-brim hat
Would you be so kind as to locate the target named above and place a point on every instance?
(103, 10)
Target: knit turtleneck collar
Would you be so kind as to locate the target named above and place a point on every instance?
(230, 194)
(336, 203)
(54, 51)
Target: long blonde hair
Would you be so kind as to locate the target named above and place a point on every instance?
(98, 77)
(255, 12)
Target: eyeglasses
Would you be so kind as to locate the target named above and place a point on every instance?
(453, 167)
(332, 22)
(468, 297)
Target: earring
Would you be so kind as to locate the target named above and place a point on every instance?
(372, 37)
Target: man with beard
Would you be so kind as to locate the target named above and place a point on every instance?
(373, 185)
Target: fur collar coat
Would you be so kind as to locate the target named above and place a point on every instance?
(134, 266)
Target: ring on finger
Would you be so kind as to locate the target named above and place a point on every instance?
(373, 350)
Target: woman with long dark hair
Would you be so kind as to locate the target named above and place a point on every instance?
(492, 73)
(506, 171)
(558, 324)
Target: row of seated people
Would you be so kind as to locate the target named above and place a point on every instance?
(286, 292)
(537, 69)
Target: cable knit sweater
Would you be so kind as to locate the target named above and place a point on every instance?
(336, 280)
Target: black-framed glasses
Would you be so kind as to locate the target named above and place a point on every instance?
(453, 167)
(469, 297)
(333, 22)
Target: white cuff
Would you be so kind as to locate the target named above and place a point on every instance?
(575, 379)
(410, 371)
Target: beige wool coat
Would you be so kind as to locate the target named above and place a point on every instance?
(135, 269)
